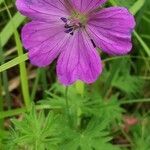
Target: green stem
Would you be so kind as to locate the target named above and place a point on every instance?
(135, 101)
(1, 104)
(35, 84)
(44, 80)
(66, 98)
(1, 96)
(67, 105)
(143, 44)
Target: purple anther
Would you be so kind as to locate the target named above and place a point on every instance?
(69, 30)
(64, 19)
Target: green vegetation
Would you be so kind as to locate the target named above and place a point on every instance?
(38, 113)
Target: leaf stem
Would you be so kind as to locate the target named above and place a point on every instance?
(67, 104)
(35, 85)
(66, 98)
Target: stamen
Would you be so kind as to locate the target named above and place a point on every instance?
(64, 19)
(69, 30)
(94, 45)
(71, 24)
(68, 26)
(80, 24)
(71, 33)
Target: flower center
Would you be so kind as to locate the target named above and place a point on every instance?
(82, 18)
(74, 22)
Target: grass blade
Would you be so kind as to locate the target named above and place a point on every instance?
(137, 6)
(23, 72)
(8, 31)
(143, 44)
(14, 62)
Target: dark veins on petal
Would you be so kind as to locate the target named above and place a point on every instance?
(94, 45)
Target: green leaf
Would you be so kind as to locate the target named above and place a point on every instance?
(141, 136)
(92, 137)
(137, 6)
(36, 130)
(143, 44)
(8, 30)
(14, 62)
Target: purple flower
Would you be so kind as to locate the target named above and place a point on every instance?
(71, 30)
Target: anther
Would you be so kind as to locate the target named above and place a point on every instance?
(64, 19)
(69, 30)
(71, 33)
(68, 26)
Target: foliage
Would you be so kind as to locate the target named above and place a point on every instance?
(82, 127)
(34, 131)
(141, 135)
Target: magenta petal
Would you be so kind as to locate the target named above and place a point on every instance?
(79, 60)
(43, 41)
(87, 5)
(42, 10)
(111, 30)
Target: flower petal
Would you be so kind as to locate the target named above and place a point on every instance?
(43, 41)
(79, 60)
(87, 5)
(43, 10)
(111, 30)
